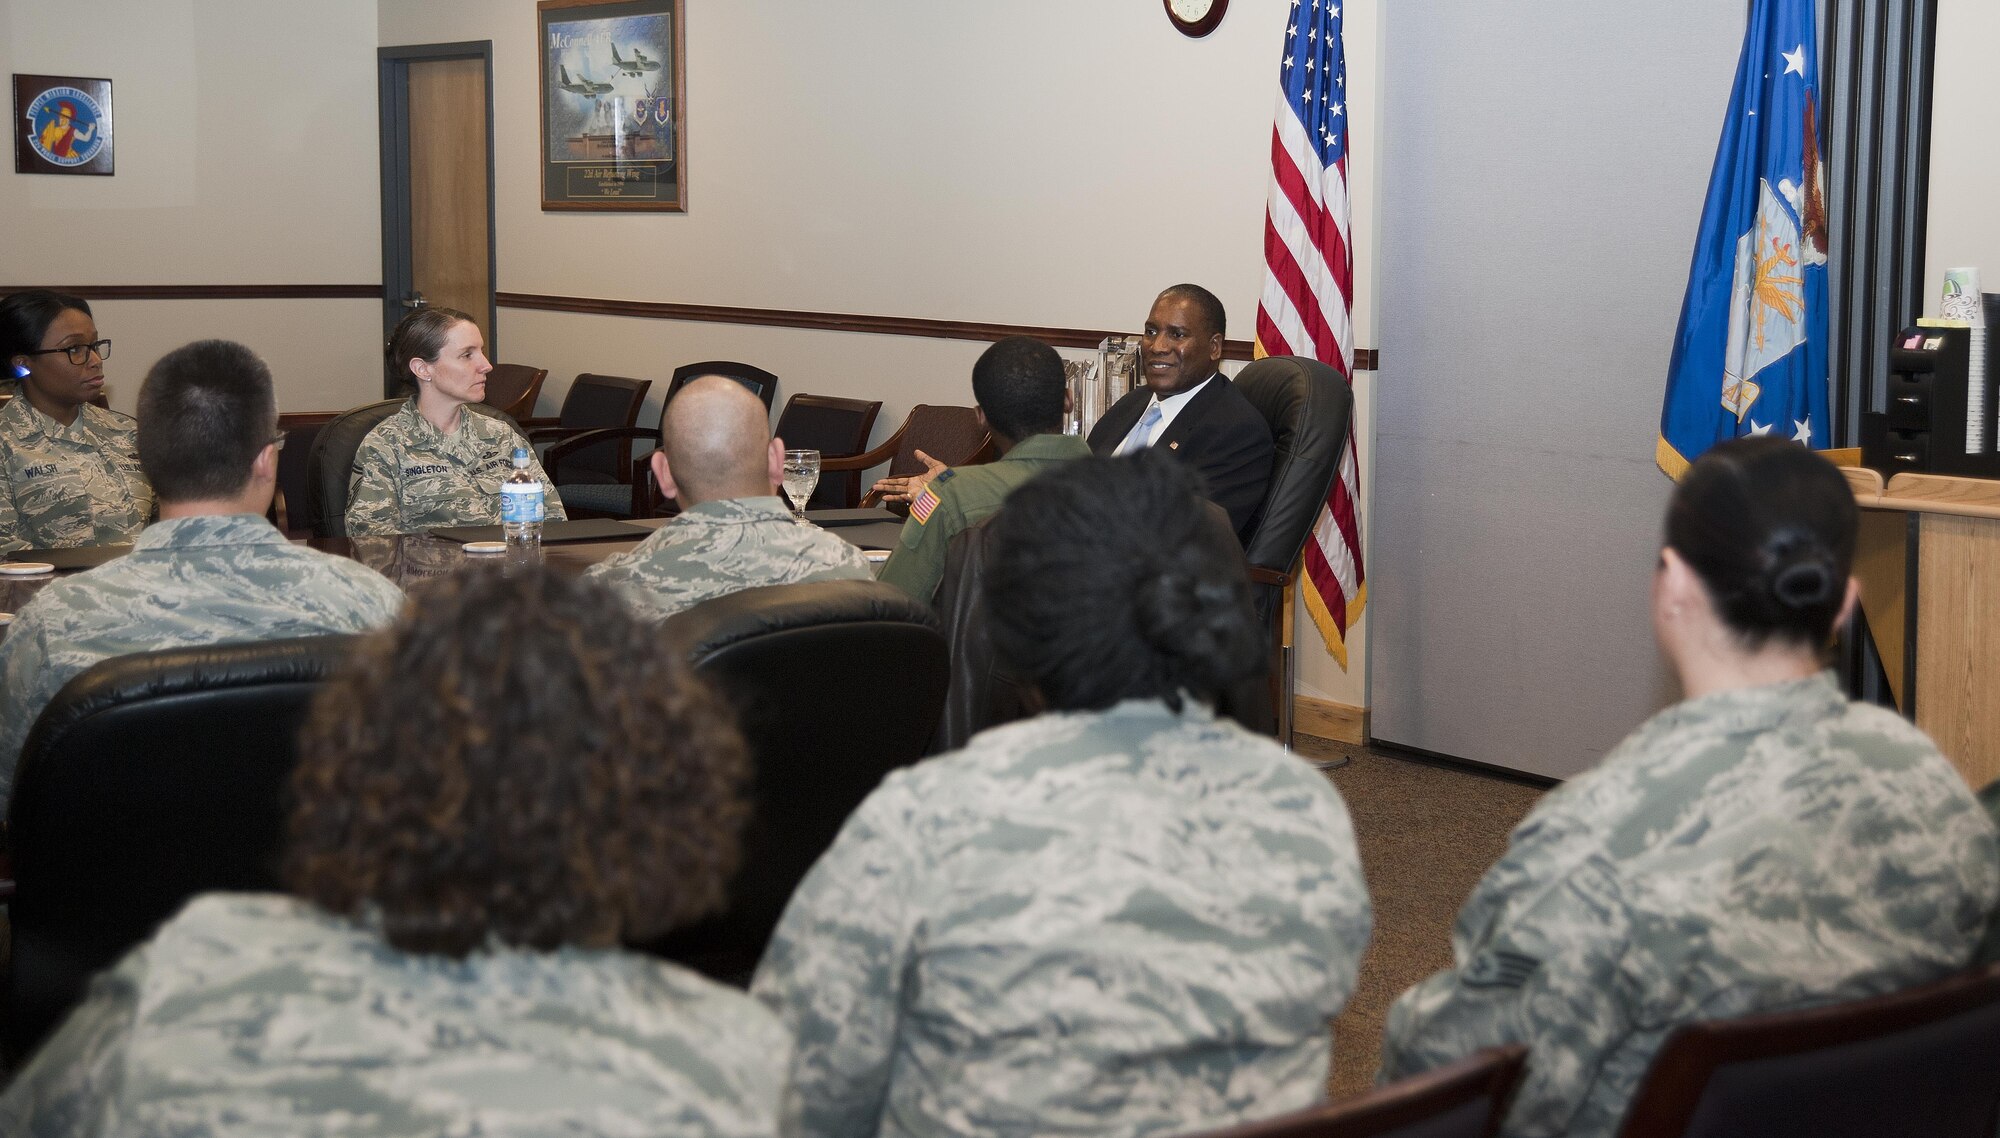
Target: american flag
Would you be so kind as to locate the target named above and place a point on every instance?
(1309, 283)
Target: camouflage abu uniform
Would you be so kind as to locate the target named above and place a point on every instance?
(1750, 850)
(409, 476)
(1105, 923)
(199, 580)
(960, 498)
(259, 1015)
(62, 487)
(725, 546)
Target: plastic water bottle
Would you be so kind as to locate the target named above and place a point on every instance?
(521, 504)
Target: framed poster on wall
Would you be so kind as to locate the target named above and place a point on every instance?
(62, 125)
(614, 115)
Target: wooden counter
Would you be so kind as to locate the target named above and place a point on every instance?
(1928, 558)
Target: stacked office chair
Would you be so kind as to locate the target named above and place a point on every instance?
(952, 435)
(592, 472)
(760, 382)
(836, 428)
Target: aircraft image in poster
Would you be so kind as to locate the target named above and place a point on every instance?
(582, 84)
(637, 65)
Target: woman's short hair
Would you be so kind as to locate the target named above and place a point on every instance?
(420, 336)
(1769, 528)
(518, 759)
(25, 317)
(1112, 579)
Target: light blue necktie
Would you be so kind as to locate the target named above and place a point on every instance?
(1142, 435)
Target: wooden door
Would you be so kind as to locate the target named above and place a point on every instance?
(449, 261)
(437, 183)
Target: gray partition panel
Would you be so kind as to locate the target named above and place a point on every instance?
(1542, 175)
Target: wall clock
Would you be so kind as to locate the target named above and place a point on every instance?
(1196, 18)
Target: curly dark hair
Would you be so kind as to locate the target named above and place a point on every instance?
(1113, 578)
(521, 758)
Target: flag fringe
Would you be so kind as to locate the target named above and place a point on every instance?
(1670, 460)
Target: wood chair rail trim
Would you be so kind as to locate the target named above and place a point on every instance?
(920, 327)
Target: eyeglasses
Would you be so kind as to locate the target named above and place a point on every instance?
(79, 354)
(279, 442)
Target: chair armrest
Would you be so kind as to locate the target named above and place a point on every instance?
(868, 458)
(578, 440)
(552, 433)
(541, 422)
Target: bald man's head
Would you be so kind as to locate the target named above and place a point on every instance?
(715, 439)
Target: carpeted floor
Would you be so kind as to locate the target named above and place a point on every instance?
(1427, 833)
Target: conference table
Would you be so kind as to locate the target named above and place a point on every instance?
(410, 559)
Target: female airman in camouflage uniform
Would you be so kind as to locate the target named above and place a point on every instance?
(1127, 916)
(435, 463)
(69, 471)
(1764, 844)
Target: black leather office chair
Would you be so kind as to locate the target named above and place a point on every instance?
(147, 779)
(760, 382)
(332, 461)
(836, 428)
(835, 684)
(590, 463)
(1921, 1063)
(1310, 409)
(1467, 1099)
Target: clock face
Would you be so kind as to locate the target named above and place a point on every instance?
(1196, 17)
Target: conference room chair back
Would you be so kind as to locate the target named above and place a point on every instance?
(512, 389)
(761, 383)
(951, 435)
(288, 508)
(332, 460)
(1920, 1063)
(836, 428)
(148, 779)
(1309, 407)
(835, 684)
(1467, 1099)
(596, 474)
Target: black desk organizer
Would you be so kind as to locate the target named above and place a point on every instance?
(1924, 428)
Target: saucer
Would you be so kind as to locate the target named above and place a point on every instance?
(26, 568)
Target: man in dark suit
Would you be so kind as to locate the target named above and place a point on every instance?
(1189, 407)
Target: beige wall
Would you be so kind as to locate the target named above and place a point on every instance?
(1965, 165)
(1048, 163)
(246, 152)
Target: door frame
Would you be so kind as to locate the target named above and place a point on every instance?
(393, 81)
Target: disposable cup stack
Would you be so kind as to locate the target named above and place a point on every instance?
(1963, 301)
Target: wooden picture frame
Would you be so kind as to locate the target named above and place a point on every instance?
(614, 106)
(62, 125)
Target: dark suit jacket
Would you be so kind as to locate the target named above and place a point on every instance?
(1218, 433)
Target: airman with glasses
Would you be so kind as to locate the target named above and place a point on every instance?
(69, 470)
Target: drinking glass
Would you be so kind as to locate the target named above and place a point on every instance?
(801, 476)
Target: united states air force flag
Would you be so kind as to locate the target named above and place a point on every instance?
(1750, 353)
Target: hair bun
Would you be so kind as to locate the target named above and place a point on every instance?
(1803, 583)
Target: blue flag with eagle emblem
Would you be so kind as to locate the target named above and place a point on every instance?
(1750, 352)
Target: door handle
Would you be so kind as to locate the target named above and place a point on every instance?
(415, 300)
